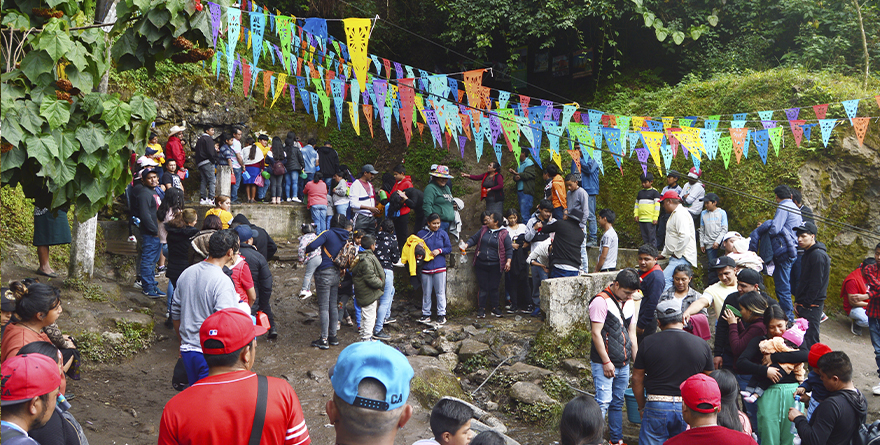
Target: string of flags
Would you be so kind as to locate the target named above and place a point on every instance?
(319, 68)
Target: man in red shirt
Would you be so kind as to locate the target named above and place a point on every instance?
(872, 283)
(233, 404)
(854, 294)
(701, 402)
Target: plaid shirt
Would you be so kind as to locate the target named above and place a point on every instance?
(872, 281)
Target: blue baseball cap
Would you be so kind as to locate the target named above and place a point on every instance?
(375, 360)
(244, 232)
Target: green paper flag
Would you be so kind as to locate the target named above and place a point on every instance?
(776, 138)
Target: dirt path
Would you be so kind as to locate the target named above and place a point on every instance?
(122, 403)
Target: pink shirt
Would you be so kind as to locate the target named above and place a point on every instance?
(316, 192)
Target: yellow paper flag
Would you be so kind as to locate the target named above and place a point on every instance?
(557, 158)
(279, 88)
(653, 139)
(667, 122)
(355, 116)
(357, 34)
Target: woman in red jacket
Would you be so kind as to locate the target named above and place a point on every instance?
(492, 187)
(401, 217)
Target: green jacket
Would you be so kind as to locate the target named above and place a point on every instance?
(438, 200)
(368, 277)
(527, 177)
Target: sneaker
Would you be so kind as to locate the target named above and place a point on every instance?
(205, 202)
(536, 312)
(321, 343)
(169, 323)
(481, 313)
(132, 239)
(876, 390)
(138, 284)
(296, 200)
(390, 320)
(156, 293)
(441, 320)
(272, 334)
(526, 310)
(824, 318)
(161, 271)
(333, 340)
(591, 243)
(511, 310)
(348, 321)
(497, 313)
(338, 326)
(305, 294)
(855, 329)
(426, 319)
(399, 264)
(381, 335)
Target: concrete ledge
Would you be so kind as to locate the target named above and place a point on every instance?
(565, 301)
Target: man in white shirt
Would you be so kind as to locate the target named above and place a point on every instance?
(362, 199)
(681, 246)
(237, 163)
(692, 195)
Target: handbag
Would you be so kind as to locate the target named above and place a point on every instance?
(259, 182)
(303, 175)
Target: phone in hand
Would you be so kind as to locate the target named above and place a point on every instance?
(734, 310)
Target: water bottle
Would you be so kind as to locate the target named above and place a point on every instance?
(800, 407)
(462, 246)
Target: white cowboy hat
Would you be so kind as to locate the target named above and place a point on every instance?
(176, 129)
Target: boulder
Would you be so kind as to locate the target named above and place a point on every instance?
(428, 350)
(472, 348)
(137, 319)
(443, 345)
(449, 360)
(565, 301)
(574, 366)
(528, 372)
(432, 381)
(530, 394)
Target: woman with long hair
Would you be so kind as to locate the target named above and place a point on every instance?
(730, 416)
(294, 165)
(492, 257)
(253, 165)
(491, 187)
(276, 184)
(171, 205)
(582, 422)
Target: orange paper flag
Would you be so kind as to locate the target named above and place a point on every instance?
(860, 124)
(473, 81)
(486, 101)
(267, 84)
(475, 115)
(466, 125)
(421, 127)
(738, 135)
(368, 113)
(575, 158)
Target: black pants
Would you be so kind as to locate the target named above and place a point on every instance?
(696, 228)
(401, 229)
(814, 316)
(517, 285)
(365, 224)
(649, 233)
(488, 278)
(263, 304)
(661, 230)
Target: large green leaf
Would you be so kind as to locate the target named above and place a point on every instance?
(94, 189)
(93, 103)
(116, 113)
(12, 131)
(29, 117)
(55, 41)
(59, 171)
(56, 112)
(42, 147)
(67, 143)
(15, 20)
(9, 93)
(201, 23)
(143, 107)
(90, 160)
(159, 16)
(13, 158)
(126, 45)
(83, 80)
(79, 56)
(91, 136)
(175, 6)
(678, 37)
(36, 63)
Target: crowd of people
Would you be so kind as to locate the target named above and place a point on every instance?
(220, 287)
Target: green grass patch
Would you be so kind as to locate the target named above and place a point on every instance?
(91, 292)
(550, 349)
(107, 349)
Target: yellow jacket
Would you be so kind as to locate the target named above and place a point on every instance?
(409, 253)
(225, 217)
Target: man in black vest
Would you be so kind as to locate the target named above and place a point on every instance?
(614, 345)
(668, 358)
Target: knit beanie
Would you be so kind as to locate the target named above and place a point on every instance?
(816, 352)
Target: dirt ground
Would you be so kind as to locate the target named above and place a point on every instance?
(122, 403)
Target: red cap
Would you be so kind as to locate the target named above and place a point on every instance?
(232, 327)
(670, 194)
(816, 352)
(28, 376)
(700, 389)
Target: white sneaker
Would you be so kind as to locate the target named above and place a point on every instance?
(305, 294)
(296, 200)
(398, 264)
(876, 390)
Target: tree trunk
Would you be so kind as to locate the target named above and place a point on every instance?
(864, 42)
(82, 249)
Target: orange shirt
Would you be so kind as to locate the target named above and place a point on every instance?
(558, 193)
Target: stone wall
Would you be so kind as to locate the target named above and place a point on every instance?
(565, 301)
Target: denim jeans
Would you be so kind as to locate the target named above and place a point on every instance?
(751, 408)
(525, 204)
(538, 275)
(291, 184)
(233, 192)
(303, 181)
(149, 256)
(341, 209)
(170, 297)
(436, 283)
(860, 316)
(555, 272)
(585, 260)
(660, 421)
(591, 236)
(874, 327)
(385, 300)
(667, 273)
(609, 395)
(782, 281)
(311, 266)
(558, 212)
(444, 226)
(327, 288)
(319, 217)
(209, 181)
(261, 191)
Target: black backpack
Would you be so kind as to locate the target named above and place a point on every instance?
(868, 434)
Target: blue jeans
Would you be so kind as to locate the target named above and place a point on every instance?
(874, 327)
(150, 249)
(384, 309)
(444, 226)
(751, 408)
(525, 204)
(609, 395)
(558, 212)
(319, 217)
(170, 295)
(667, 273)
(591, 236)
(303, 181)
(660, 421)
(195, 365)
(782, 282)
(291, 184)
(234, 191)
(341, 209)
(435, 283)
(711, 274)
(556, 272)
(538, 275)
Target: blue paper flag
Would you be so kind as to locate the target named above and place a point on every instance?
(314, 99)
(479, 139)
(612, 139)
(852, 108)
(656, 126)
(826, 125)
(738, 123)
(338, 86)
(666, 151)
(498, 152)
(762, 141)
(711, 124)
(503, 98)
(453, 88)
(710, 141)
(740, 116)
(536, 116)
(317, 27)
(258, 25)
(595, 119)
(377, 64)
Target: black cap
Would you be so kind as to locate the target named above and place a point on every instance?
(722, 262)
(711, 197)
(806, 227)
(8, 300)
(750, 276)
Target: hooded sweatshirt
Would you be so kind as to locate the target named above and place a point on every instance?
(835, 421)
(815, 268)
(262, 241)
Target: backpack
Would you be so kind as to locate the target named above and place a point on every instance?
(868, 434)
(278, 168)
(345, 257)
